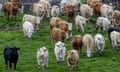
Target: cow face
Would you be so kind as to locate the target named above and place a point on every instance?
(14, 50)
(70, 10)
(60, 46)
(43, 51)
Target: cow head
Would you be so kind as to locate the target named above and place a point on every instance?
(60, 46)
(14, 50)
(70, 10)
(43, 51)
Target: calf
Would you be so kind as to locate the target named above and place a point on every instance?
(99, 43)
(103, 22)
(55, 11)
(58, 34)
(35, 20)
(86, 11)
(11, 56)
(88, 42)
(115, 39)
(76, 41)
(60, 51)
(116, 18)
(80, 22)
(42, 57)
(69, 8)
(72, 59)
(28, 29)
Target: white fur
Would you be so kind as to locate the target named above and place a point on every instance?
(28, 29)
(33, 19)
(88, 42)
(115, 39)
(86, 11)
(80, 22)
(103, 22)
(99, 42)
(42, 57)
(105, 10)
(60, 51)
(55, 11)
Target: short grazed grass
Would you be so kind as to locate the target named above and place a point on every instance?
(11, 34)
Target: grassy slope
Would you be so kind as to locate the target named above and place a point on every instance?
(109, 61)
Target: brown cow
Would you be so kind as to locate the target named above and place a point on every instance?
(11, 8)
(76, 41)
(54, 22)
(58, 34)
(96, 9)
(70, 9)
(72, 59)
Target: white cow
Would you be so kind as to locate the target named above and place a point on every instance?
(80, 21)
(99, 42)
(35, 20)
(88, 42)
(28, 29)
(42, 57)
(106, 11)
(115, 39)
(103, 22)
(60, 51)
(55, 11)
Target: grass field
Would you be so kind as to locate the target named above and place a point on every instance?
(11, 34)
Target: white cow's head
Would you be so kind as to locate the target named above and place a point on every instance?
(43, 51)
(60, 46)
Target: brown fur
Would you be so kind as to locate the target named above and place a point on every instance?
(96, 9)
(76, 42)
(69, 11)
(58, 34)
(54, 22)
(11, 8)
(116, 17)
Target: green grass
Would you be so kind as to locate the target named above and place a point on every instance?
(11, 34)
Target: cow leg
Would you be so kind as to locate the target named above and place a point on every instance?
(6, 62)
(15, 65)
(96, 28)
(10, 65)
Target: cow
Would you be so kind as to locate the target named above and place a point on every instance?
(42, 57)
(103, 22)
(11, 8)
(80, 21)
(116, 18)
(11, 55)
(69, 9)
(86, 11)
(28, 29)
(55, 11)
(76, 42)
(106, 11)
(115, 39)
(38, 10)
(60, 51)
(46, 6)
(99, 41)
(72, 59)
(88, 42)
(35, 20)
(58, 35)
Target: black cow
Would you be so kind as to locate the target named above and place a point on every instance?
(11, 56)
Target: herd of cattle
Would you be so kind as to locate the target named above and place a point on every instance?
(108, 19)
